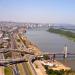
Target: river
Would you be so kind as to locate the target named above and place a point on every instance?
(51, 42)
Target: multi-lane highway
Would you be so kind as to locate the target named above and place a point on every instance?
(2, 67)
(24, 65)
(13, 46)
(29, 60)
(20, 64)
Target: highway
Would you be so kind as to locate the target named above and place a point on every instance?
(2, 67)
(13, 46)
(26, 51)
(5, 62)
(27, 72)
(18, 61)
(15, 70)
(24, 64)
(29, 60)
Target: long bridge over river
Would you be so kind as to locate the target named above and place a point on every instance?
(4, 62)
(64, 54)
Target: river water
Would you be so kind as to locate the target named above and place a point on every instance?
(50, 42)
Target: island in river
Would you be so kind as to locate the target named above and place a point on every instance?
(66, 33)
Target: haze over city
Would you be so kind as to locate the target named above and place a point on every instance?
(38, 11)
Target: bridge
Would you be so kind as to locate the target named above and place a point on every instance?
(63, 54)
(5, 62)
(16, 50)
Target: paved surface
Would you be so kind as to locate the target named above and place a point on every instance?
(15, 50)
(26, 69)
(1, 67)
(18, 69)
(15, 70)
(24, 65)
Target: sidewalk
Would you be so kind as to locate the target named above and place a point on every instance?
(2, 70)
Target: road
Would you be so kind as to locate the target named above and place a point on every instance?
(1, 67)
(29, 61)
(24, 68)
(13, 46)
(15, 70)
(16, 50)
(30, 58)
(25, 64)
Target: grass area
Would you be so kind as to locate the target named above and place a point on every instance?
(8, 71)
(68, 34)
(28, 66)
(36, 65)
(21, 70)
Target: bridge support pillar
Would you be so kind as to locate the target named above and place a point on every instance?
(53, 57)
(65, 52)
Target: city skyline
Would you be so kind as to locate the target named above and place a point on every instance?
(42, 11)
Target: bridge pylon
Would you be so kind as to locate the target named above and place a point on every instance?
(65, 51)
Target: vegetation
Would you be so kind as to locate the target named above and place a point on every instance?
(18, 40)
(63, 32)
(8, 71)
(29, 68)
(61, 72)
(8, 54)
(36, 65)
(1, 45)
(46, 57)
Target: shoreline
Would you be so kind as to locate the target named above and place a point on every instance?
(30, 45)
(34, 48)
(70, 35)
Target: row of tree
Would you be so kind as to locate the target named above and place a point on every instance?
(63, 32)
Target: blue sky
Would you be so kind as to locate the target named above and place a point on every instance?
(44, 11)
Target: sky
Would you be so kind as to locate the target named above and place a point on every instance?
(38, 11)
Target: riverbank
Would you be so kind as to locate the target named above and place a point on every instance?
(35, 49)
(60, 69)
(30, 46)
(52, 42)
(61, 72)
(55, 65)
(66, 33)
